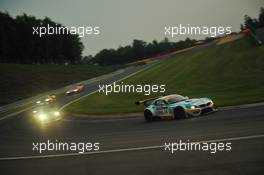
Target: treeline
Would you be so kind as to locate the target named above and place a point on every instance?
(19, 45)
(137, 50)
(254, 23)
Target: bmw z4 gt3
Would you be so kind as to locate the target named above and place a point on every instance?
(175, 106)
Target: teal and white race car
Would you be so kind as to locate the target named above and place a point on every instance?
(175, 107)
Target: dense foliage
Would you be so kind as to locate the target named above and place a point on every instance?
(19, 45)
(139, 50)
(255, 23)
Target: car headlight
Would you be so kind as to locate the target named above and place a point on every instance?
(43, 117)
(57, 113)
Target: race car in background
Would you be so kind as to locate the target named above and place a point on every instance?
(79, 88)
(48, 99)
(175, 107)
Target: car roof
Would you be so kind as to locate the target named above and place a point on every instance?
(167, 97)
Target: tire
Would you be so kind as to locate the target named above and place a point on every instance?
(148, 116)
(179, 113)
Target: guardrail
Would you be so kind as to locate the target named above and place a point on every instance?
(257, 33)
(260, 35)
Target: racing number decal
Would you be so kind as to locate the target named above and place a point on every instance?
(165, 110)
(161, 110)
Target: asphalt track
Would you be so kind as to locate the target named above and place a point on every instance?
(132, 146)
(119, 138)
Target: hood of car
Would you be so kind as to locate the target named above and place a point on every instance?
(72, 90)
(191, 102)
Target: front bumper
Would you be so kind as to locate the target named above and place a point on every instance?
(201, 109)
(45, 118)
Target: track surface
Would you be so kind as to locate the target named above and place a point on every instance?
(246, 156)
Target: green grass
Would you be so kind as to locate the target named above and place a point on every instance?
(230, 74)
(20, 81)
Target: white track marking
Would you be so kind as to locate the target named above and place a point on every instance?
(226, 108)
(137, 115)
(128, 149)
(92, 80)
(15, 113)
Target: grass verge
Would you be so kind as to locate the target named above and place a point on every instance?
(230, 74)
(19, 81)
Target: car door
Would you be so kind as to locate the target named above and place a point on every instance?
(161, 108)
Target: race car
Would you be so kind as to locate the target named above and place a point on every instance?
(77, 89)
(175, 106)
(48, 99)
(46, 113)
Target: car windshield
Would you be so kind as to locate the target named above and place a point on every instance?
(175, 99)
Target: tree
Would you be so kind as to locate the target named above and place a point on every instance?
(19, 45)
(261, 17)
(139, 50)
(253, 24)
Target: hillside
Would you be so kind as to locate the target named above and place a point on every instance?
(20, 81)
(230, 74)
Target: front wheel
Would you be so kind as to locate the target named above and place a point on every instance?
(148, 116)
(179, 113)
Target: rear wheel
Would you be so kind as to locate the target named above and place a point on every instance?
(148, 116)
(179, 113)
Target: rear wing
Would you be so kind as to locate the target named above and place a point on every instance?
(146, 100)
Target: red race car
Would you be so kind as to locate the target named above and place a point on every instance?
(77, 89)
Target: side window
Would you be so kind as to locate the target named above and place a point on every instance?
(159, 103)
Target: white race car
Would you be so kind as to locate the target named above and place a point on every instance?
(175, 106)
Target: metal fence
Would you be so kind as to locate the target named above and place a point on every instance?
(260, 35)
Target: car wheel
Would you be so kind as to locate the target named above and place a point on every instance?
(148, 116)
(179, 113)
